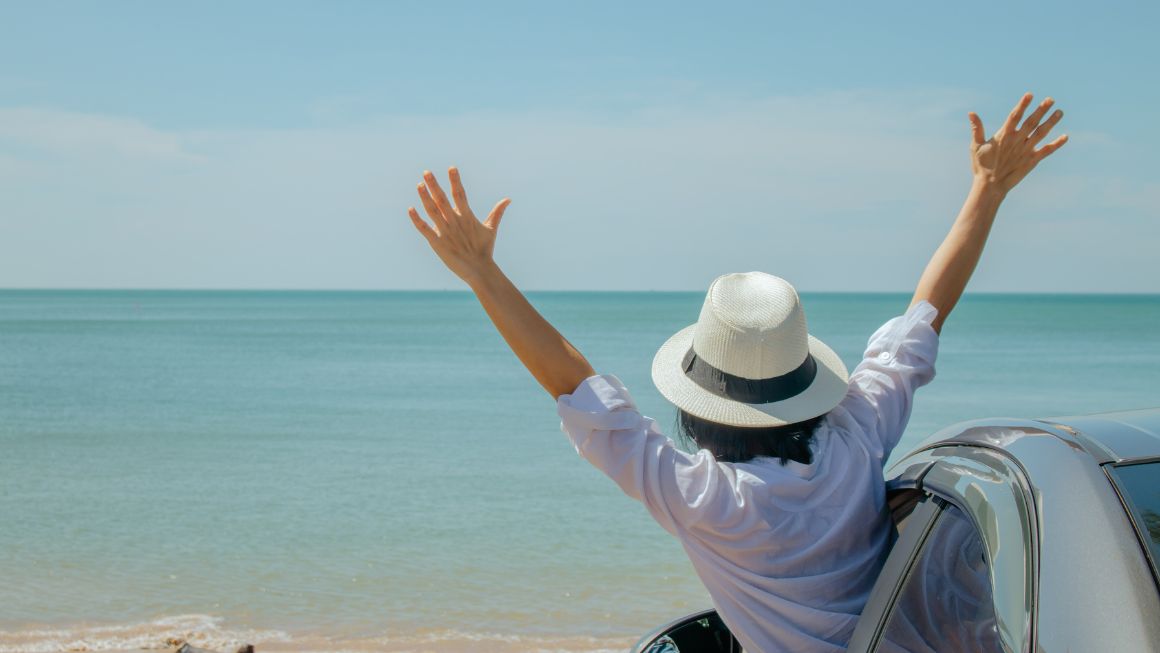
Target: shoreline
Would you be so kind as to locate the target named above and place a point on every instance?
(211, 632)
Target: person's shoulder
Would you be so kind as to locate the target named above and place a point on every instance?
(841, 429)
(839, 422)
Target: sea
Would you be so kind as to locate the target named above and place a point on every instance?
(331, 471)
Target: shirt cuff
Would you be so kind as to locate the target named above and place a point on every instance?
(923, 312)
(599, 403)
(912, 331)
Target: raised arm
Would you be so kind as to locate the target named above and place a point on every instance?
(998, 163)
(465, 245)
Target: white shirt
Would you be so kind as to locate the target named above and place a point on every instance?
(789, 552)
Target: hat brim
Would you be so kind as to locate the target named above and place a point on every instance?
(826, 391)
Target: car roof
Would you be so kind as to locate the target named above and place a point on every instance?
(1115, 437)
(1108, 437)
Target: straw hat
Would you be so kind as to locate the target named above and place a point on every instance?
(749, 360)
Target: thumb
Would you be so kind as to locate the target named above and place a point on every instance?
(493, 218)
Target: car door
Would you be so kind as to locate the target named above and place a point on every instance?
(947, 585)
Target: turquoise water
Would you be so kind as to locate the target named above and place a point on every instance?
(377, 465)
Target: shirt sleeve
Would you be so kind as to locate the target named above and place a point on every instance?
(899, 359)
(677, 488)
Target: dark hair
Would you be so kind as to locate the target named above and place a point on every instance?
(739, 444)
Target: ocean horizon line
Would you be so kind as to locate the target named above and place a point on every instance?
(545, 291)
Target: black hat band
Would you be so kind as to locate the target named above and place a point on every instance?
(750, 391)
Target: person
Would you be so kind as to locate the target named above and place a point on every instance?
(782, 507)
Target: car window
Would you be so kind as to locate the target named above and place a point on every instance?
(1140, 486)
(945, 603)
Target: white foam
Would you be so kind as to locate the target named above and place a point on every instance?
(163, 633)
(209, 632)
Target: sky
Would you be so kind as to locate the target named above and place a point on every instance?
(645, 145)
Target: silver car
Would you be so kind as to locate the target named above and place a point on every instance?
(1013, 535)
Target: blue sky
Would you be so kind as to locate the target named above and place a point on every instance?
(645, 145)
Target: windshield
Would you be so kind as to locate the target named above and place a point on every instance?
(1139, 485)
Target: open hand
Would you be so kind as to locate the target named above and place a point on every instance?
(1006, 158)
(461, 241)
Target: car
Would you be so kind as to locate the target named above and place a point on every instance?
(1013, 535)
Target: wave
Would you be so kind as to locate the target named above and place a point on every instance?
(159, 634)
(210, 632)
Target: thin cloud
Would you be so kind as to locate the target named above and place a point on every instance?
(660, 198)
(76, 134)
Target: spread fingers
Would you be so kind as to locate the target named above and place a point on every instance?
(433, 213)
(457, 191)
(1032, 121)
(428, 232)
(438, 195)
(1016, 114)
(1042, 130)
(1042, 152)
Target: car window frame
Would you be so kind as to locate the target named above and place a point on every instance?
(962, 475)
(947, 512)
(1132, 509)
(884, 594)
(965, 476)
